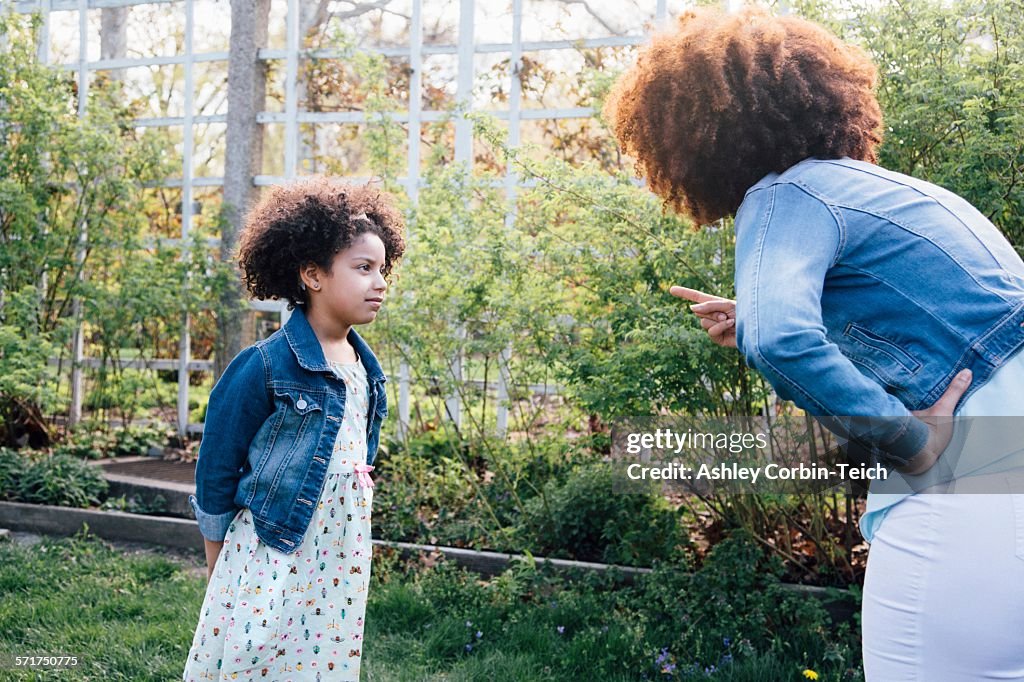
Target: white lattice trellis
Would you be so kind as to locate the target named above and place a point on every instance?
(414, 116)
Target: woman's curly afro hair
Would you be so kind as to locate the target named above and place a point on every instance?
(725, 99)
(310, 221)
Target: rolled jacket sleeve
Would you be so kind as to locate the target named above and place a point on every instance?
(239, 405)
(786, 242)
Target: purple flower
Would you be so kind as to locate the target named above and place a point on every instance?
(726, 641)
(669, 668)
(561, 629)
(469, 624)
(479, 634)
(469, 647)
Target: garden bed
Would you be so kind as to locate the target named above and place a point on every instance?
(183, 534)
(130, 614)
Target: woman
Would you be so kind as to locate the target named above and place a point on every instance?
(859, 293)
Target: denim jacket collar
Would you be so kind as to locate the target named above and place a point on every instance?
(310, 354)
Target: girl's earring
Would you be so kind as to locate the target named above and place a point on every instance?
(316, 287)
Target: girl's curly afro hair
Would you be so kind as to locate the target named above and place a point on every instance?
(310, 221)
(725, 99)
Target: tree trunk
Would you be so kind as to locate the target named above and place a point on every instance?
(247, 87)
(114, 37)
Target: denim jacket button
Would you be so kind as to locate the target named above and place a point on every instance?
(301, 403)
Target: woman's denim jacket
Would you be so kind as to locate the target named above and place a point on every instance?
(270, 429)
(861, 292)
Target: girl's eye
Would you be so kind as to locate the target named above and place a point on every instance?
(364, 267)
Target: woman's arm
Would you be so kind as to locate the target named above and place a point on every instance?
(718, 316)
(786, 242)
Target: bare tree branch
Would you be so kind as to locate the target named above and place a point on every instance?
(592, 12)
(361, 8)
(317, 18)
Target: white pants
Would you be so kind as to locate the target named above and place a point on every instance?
(944, 590)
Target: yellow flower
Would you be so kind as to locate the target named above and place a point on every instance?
(810, 674)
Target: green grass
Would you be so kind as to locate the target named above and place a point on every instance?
(127, 618)
(131, 617)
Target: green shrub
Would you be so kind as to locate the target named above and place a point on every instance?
(92, 441)
(435, 446)
(731, 619)
(83, 444)
(427, 483)
(135, 441)
(60, 480)
(443, 490)
(735, 607)
(129, 390)
(584, 519)
(12, 467)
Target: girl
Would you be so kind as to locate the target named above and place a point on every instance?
(859, 293)
(283, 491)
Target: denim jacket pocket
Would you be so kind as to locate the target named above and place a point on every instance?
(301, 422)
(302, 402)
(299, 411)
(882, 357)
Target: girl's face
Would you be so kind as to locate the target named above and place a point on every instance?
(352, 291)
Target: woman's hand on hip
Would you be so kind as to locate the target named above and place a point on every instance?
(717, 315)
(939, 418)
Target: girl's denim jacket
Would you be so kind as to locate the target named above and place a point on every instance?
(270, 429)
(861, 292)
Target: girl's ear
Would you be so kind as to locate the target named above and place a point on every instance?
(310, 275)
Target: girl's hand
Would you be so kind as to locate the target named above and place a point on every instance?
(717, 315)
(939, 418)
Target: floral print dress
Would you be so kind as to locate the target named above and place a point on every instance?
(274, 616)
